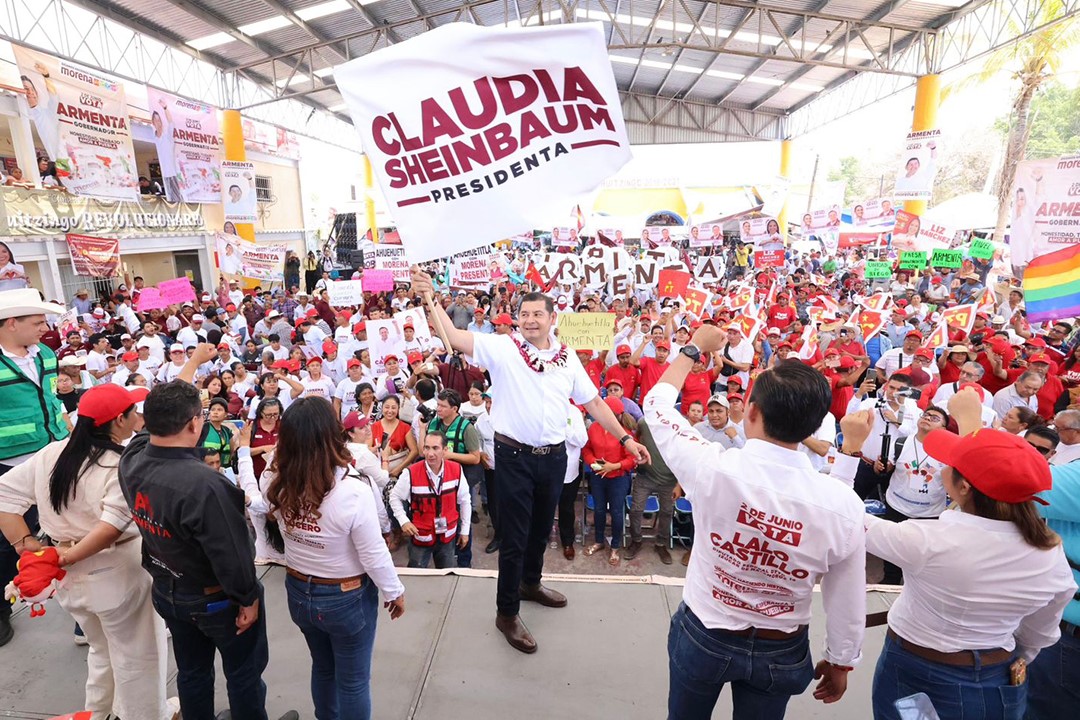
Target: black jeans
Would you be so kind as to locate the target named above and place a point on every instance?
(567, 508)
(492, 501)
(529, 490)
(870, 484)
(200, 625)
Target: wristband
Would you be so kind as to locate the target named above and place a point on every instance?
(624, 438)
(851, 454)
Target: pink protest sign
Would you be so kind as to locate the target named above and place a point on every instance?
(150, 299)
(378, 280)
(175, 292)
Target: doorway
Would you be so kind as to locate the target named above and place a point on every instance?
(187, 264)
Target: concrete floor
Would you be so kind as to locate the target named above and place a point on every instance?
(602, 657)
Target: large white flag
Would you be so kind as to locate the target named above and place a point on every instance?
(476, 132)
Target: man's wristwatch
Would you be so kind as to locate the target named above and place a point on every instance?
(691, 351)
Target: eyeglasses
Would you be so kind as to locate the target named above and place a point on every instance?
(933, 416)
(1042, 450)
(271, 416)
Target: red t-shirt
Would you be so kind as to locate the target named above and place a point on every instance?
(261, 438)
(950, 373)
(992, 382)
(1049, 393)
(651, 371)
(630, 377)
(781, 316)
(854, 348)
(841, 396)
(595, 369)
(697, 386)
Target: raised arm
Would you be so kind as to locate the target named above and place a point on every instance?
(461, 340)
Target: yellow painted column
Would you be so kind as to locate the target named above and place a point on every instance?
(785, 172)
(369, 201)
(927, 100)
(232, 131)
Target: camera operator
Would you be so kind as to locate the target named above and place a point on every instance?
(895, 415)
(458, 374)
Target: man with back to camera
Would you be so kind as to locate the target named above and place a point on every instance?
(768, 527)
(196, 547)
(535, 375)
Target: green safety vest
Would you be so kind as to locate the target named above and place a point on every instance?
(455, 434)
(31, 415)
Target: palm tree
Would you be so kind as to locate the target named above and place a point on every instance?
(1033, 60)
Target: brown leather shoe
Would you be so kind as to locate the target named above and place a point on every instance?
(545, 596)
(515, 633)
(665, 556)
(568, 552)
(633, 549)
(686, 558)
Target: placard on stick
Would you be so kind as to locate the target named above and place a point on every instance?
(587, 331)
(912, 260)
(947, 258)
(878, 270)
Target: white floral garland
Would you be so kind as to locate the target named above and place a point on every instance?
(532, 358)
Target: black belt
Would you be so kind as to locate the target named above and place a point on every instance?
(538, 450)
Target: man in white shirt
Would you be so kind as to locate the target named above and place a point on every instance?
(1022, 393)
(262, 328)
(895, 414)
(737, 354)
(817, 446)
(313, 336)
(717, 427)
(315, 383)
(152, 339)
(148, 364)
(97, 360)
(193, 334)
(171, 370)
(768, 527)
(131, 366)
(902, 357)
(1067, 424)
(302, 306)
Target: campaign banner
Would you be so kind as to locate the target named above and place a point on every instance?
(378, 280)
(189, 147)
(512, 125)
(875, 212)
(915, 177)
(821, 220)
(935, 235)
(982, 249)
(68, 322)
(612, 235)
(710, 235)
(587, 331)
(912, 260)
(29, 212)
(564, 236)
(946, 258)
(473, 268)
(81, 120)
(877, 270)
(657, 237)
(1044, 202)
(238, 257)
(270, 139)
(344, 293)
(769, 258)
(238, 191)
(392, 257)
(905, 234)
(763, 233)
(94, 256)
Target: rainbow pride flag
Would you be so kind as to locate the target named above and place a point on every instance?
(1052, 285)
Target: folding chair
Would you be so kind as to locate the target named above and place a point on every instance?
(682, 523)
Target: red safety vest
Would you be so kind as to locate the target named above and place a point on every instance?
(426, 505)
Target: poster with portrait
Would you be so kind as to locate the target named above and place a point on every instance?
(905, 234)
(915, 177)
(820, 221)
(421, 331)
(612, 235)
(875, 212)
(657, 237)
(706, 235)
(761, 232)
(564, 236)
(1044, 201)
(189, 147)
(238, 191)
(240, 258)
(81, 120)
(385, 337)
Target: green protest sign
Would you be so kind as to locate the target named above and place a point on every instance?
(981, 249)
(947, 258)
(877, 270)
(912, 260)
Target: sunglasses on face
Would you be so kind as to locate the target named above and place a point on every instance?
(1042, 450)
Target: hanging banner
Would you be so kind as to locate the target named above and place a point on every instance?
(473, 268)
(270, 139)
(564, 236)
(238, 191)
(391, 257)
(1044, 208)
(821, 220)
(81, 120)
(189, 147)
(706, 235)
(763, 233)
(875, 212)
(915, 178)
(28, 212)
(238, 257)
(657, 237)
(94, 256)
(511, 125)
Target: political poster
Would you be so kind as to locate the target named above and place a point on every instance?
(81, 120)
(385, 338)
(821, 220)
(769, 258)
(512, 125)
(915, 177)
(763, 233)
(905, 234)
(982, 249)
(710, 235)
(238, 191)
(877, 270)
(344, 293)
(1044, 209)
(875, 212)
(564, 236)
(658, 237)
(612, 235)
(586, 331)
(188, 145)
(912, 260)
(473, 268)
(391, 257)
(238, 257)
(946, 258)
(94, 256)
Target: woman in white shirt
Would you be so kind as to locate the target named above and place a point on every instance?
(984, 586)
(336, 558)
(476, 406)
(75, 484)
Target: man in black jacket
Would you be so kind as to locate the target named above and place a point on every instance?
(197, 549)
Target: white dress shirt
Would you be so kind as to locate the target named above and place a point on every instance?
(768, 528)
(577, 437)
(531, 406)
(401, 495)
(826, 432)
(946, 391)
(1066, 454)
(1006, 399)
(970, 583)
(892, 360)
(908, 425)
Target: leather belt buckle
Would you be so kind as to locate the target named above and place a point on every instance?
(545, 450)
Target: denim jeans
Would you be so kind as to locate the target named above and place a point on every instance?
(1054, 681)
(199, 628)
(420, 556)
(339, 628)
(609, 495)
(764, 674)
(981, 692)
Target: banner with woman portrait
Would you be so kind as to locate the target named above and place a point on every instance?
(81, 120)
(762, 232)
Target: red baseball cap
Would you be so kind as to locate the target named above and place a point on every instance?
(408, 324)
(734, 379)
(847, 362)
(314, 359)
(785, 343)
(734, 396)
(353, 421)
(353, 362)
(913, 333)
(311, 313)
(302, 321)
(616, 405)
(613, 381)
(414, 357)
(980, 456)
(503, 319)
(662, 344)
(390, 357)
(1036, 342)
(105, 403)
(1039, 357)
(130, 356)
(329, 346)
(979, 389)
(622, 350)
(281, 365)
(362, 325)
(925, 353)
